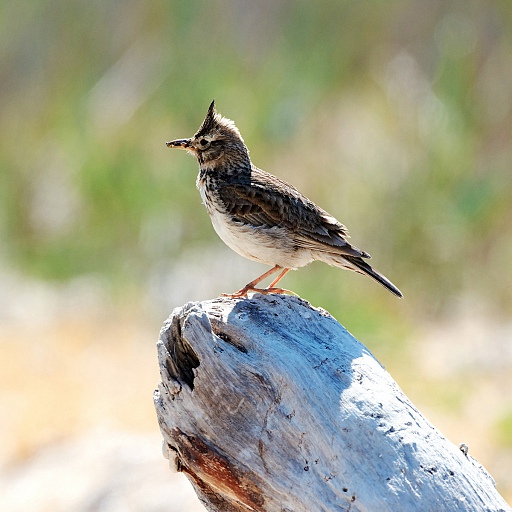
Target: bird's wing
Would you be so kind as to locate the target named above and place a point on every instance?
(267, 201)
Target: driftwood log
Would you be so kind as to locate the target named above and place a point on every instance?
(269, 404)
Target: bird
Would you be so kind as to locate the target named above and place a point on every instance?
(261, 216)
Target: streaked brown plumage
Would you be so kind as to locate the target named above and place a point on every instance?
(261, 216)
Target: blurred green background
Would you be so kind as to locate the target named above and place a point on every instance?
(396, 117)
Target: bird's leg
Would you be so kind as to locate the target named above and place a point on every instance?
(271, 288)
(251, 287)
(279, 277)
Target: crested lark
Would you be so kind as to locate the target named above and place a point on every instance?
(261, 216)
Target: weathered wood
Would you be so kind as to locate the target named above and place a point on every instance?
(269, 404)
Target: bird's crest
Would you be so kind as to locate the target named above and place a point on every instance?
(214, 122)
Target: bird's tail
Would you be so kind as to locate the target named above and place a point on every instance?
(357, 264)
(362, 266)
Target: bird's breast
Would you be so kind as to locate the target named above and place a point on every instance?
(205, 189)
(269, 245)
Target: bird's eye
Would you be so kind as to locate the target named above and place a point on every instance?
(203, 142)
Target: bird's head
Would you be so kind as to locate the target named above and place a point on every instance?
(217, 141)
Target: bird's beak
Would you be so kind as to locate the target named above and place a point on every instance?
(180, 144)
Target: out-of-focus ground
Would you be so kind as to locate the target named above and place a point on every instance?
(79, 432)
(395, 117)
(77, 426)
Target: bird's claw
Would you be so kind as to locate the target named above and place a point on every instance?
(265, 291)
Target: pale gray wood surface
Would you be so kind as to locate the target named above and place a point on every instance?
(270, 404)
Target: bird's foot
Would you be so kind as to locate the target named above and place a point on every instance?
(265, 291)
(281, 291)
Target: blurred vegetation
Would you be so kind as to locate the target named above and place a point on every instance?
(504, 431)
(396, 117)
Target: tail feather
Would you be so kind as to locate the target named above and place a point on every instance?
(361, 265)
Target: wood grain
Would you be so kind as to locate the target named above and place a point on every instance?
(269, 404)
